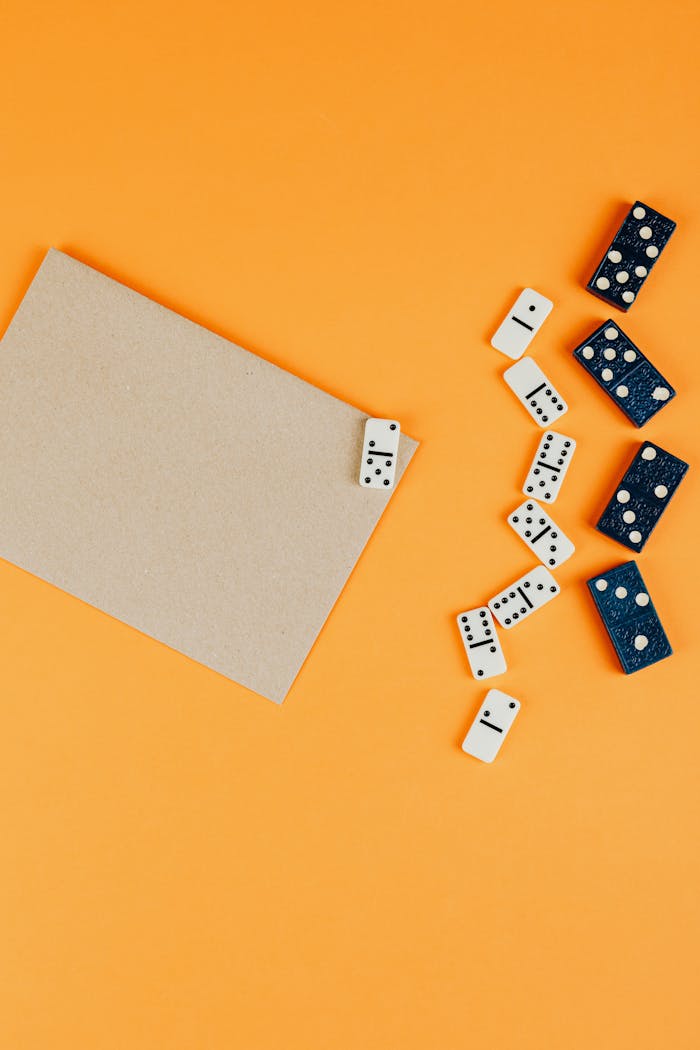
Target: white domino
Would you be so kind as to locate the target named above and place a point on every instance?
(379, 452)
(549, 467)
(481, 643)
(491, 726)
(535, 392)
(534, 526)
(522, 323)
(530, 592)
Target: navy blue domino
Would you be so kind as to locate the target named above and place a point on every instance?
(629, 617)
(641, 496)
(635, 249)
(625, 374)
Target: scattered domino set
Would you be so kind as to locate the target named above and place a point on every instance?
(640, 498)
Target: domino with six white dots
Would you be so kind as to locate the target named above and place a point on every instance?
(642, 496)
(629, 617)
(624, 373)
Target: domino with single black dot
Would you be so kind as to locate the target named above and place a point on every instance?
(629, 617)
(641, 496)
(628, 261)
(525, 596)
(624, 373)
(480, 640)
(522, 323)
(549, 467)
(379, 452)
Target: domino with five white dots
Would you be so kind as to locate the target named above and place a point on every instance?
(641, 496)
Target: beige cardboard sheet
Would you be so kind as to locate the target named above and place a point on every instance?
(174, 480)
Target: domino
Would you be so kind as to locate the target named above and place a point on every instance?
(542, 535)
(624, 373)
(530, 592)
(491, 726)
(522, 323)
(642, 496)
(481, 643)
(534, 391)
(629, 617)
(628, 261)
(379, 452)
(549, 467)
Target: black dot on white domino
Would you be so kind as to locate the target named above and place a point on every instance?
(382, 460)
(470, 637)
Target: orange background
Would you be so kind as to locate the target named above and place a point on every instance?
(358, 192)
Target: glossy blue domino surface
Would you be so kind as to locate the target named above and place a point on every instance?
(625, 374)
(642, 495)
(629, 617)
(633, 253)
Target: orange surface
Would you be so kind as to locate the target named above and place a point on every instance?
(358, 192)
